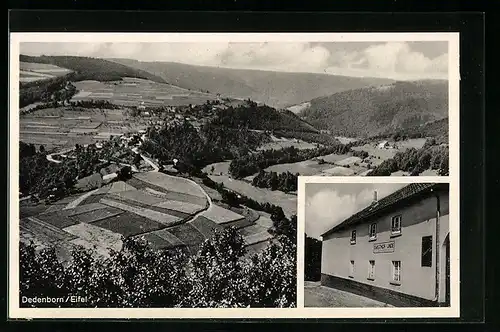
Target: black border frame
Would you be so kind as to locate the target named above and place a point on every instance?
(472, 107)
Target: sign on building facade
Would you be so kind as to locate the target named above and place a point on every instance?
(383, 247)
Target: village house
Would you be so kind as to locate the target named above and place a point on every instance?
(141, 106)
(383, 145)
(396, 250)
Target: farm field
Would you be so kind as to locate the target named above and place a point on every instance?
(286, 201)
(176, 196)
(220, 215)
(96, 235)
(264, 220)
(96, 215)
(338, 171)
(257, 247)
(59, 219)
(63, 127)
(189, 235)
(134, 91)
(256, 238)
(30, 72)
(169, 237)
(345, 140)
(171, 183)
(238, 224)
(429, 172)
(163, 218)
(306, 167)
(184, 207)
(155, 241)
(314, 167)
(128, 224)
(282, 143)
(252, 230)
(220, 168)
(205, 226)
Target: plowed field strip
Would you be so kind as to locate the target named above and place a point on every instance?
(39, 228)
(238, 223)
(97, 215)
(175, 196)
(177, 214)
(165, 219)
(156, 241)
(256, 238)
(251, 230)
(166, 181)
(205, 226)
(189, 235)
(220, 215)
(180, 206)
(167, 236)
(128, 224)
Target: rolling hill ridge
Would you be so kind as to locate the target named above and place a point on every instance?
(86, 68)
(277, 89)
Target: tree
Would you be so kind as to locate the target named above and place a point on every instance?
(137, 159)
(444, 166)
(124, 173)
(312, 258)
(40, 273)
(217, 278)
(272, 276)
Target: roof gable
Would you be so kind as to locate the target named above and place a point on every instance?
(393, 199)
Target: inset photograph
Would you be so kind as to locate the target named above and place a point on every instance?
(377, 245)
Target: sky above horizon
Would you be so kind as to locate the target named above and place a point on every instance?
(328, 204)
(394, 60)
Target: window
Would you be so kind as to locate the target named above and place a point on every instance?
(396, 225)
(353, 237)
(371, 270)
(351, 269)
(396, 271)
(426, 251)
(373, 232)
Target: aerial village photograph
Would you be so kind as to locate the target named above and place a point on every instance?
(377, 245)
(165, 174)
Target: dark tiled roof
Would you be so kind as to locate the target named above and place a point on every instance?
(398, 196)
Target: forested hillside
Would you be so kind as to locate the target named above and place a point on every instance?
(253, 116)
(376, 110)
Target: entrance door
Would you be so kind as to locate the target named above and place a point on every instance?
(447, 245)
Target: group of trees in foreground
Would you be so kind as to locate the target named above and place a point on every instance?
(219, 275)
(284, 181)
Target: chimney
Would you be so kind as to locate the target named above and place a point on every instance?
(375, 199)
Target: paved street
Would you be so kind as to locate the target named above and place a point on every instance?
(316, 295)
